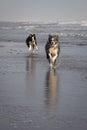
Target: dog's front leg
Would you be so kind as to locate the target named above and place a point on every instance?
(36, 47)
(30, 48)
(54, 58)
(50, 56)
(50, 60)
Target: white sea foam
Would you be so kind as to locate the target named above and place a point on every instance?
(81, 23)
(68, 22)
(29, 27)
(84, 23)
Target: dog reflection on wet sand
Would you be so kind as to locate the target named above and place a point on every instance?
(51, 87)
(30, 65)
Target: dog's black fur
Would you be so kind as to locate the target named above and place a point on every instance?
(31, 42)
(52, 49)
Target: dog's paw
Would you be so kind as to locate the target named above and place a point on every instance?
(55, 66)
(30, 48)
(51, 65)
(36, 48)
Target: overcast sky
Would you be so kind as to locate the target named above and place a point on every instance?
(43, 10)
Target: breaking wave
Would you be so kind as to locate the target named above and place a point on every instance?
(69, 31)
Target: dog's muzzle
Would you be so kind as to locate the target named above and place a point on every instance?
(33, 40)
(52, 43)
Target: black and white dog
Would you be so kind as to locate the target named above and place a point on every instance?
(31, 42)
(52, 49)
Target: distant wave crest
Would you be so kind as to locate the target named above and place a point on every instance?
(67, 31)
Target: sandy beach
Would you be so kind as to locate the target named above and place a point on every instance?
(33, 97)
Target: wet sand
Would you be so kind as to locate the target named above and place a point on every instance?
(34, 97)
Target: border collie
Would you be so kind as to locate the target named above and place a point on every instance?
(52, 49)
(31, 42)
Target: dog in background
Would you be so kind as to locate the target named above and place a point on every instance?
(52, 49)
(31, 42)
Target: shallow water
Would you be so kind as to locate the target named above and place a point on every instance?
(33, 96)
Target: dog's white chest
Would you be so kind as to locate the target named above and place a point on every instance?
(53, 51)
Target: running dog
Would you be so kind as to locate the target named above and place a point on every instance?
(52, 49)
(31, 42)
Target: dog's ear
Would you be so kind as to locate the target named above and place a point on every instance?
(30, 35)
(49, 36)
(57, 37)
(34, 36)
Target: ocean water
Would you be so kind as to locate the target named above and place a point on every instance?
(74, 33)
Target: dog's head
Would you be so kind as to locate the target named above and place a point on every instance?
(53, 39)
(32, 37)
